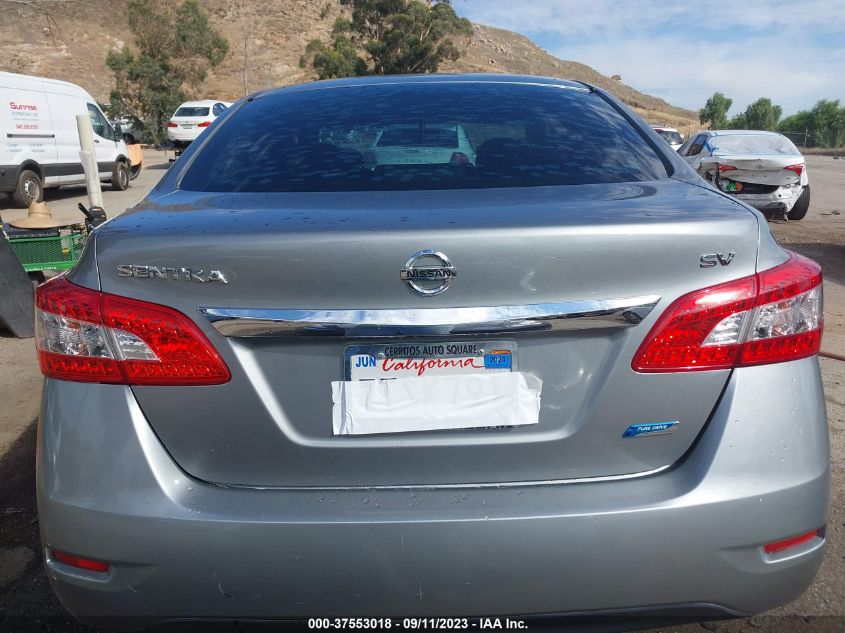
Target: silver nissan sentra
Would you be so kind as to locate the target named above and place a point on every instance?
(547, 371)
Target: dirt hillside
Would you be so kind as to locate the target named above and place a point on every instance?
(69, 40)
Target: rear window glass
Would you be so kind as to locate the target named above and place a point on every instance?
(752, 144)
(191, 111)
(422, 136)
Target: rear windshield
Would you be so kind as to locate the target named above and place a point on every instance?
(422, 136)
(752, 144)
(191, 111)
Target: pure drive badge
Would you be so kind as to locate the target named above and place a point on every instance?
(176, 274)
(650, 428)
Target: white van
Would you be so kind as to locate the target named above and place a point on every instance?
(39, 142)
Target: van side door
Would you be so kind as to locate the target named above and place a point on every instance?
(106, 141)
(64, 107)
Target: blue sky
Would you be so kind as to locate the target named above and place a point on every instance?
(790, 51)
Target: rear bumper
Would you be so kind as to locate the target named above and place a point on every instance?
(688, 536)
(781, 200)
(178, 135)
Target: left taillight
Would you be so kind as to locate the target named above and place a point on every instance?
(770, 317)
(84, 335)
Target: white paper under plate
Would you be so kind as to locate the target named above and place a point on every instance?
(435, 403)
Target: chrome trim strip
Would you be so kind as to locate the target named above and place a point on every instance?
(504, 484)
(410, 322)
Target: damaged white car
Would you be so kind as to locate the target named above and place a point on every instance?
(763, 169)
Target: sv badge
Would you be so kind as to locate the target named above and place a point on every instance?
(711, 259)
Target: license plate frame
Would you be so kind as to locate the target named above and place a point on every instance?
(483, 351)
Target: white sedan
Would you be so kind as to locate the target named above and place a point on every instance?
(191, 118)
(763, 169)
(670, 135)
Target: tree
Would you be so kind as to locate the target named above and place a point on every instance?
(175, 47)
(828, 119)
(715, 111)
(824, 124)
(338, 60)
(762, 115)
(796, 123)
(738, 122)
(396, 36)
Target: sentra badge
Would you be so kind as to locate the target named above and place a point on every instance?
(175, 274)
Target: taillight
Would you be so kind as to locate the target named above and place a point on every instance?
(88, 336)
(770, 317)
(204, 124)
(172, 124)
(726, 168)
(798, 169)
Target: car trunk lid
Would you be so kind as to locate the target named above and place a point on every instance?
(271, 425)
(762, 169)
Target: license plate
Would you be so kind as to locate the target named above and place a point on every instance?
(187, 126)
(414, 360)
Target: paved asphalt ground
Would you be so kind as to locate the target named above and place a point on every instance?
(27, 604)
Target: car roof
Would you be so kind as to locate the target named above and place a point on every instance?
(374, 80)
(744, 133)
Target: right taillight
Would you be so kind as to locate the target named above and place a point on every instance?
(770, 317)
(84, 335)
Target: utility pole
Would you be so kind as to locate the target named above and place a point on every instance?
(246, 63)
(248, 32)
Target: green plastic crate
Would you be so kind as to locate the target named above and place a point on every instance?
(48, 253)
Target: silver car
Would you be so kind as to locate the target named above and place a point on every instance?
(570, 378)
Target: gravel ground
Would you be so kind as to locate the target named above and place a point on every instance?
(27, 604)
